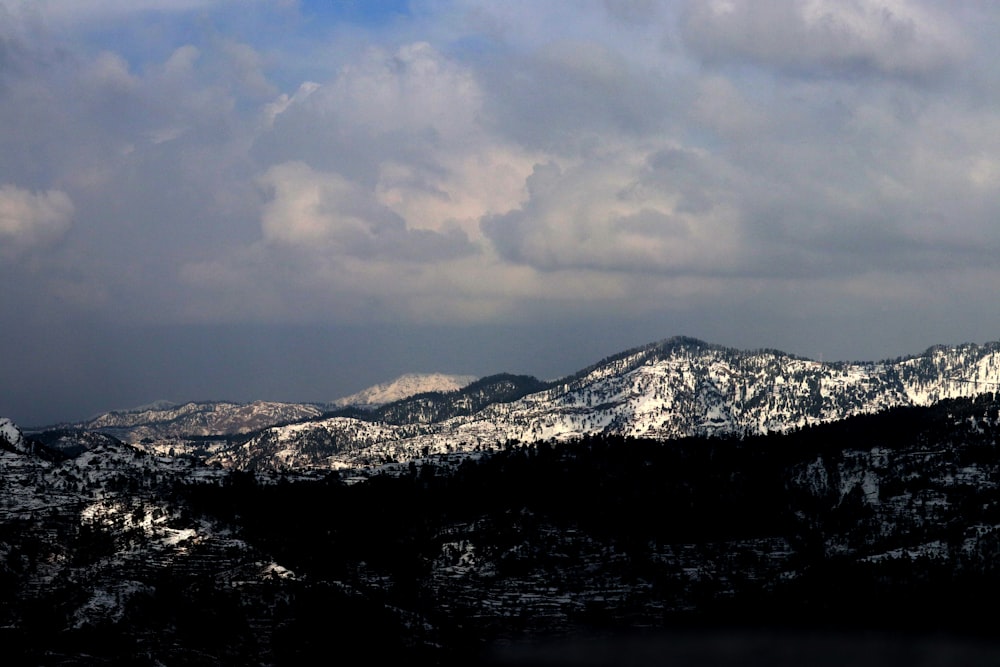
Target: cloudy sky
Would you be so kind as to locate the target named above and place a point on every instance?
(293, 200)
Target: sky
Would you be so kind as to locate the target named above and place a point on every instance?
(292, 200)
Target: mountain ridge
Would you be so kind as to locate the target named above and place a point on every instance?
(402, 387)
(676, 387)
(193, 419)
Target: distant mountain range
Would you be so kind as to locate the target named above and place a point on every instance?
(195, 419)
(166, 422)
(673, 388)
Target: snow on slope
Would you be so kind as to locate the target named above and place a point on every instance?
(197, 419)
(404, 386)
(676, 388)
(12, 435)
(108, 524)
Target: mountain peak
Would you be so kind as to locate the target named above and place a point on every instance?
(404, 386)
(11, 434)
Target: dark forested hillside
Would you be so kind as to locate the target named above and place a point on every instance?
(875, 523)
(886, 524)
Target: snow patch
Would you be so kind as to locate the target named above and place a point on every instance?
(12, 434)
(405, 386)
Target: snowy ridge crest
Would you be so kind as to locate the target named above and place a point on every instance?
(676, 388)
(197, 419)
(404, 387)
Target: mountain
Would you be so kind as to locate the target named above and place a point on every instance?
(13, 440)
(874, 537)
(430, 407)
(93, 535)
(165, 421)
(673, 388)
(403, 387)
(70, 443)
(162, 425)
(678, 387)
(11, 437)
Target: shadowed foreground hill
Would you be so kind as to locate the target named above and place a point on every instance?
(837, 539)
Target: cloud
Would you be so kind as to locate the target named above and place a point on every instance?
(625, 208)
(816, 175)
(410, 173)
(826, 37)
(482, 160)
(413, 90)
(308, 207)
(109, 71)
(324, 211)
(632, 11)
(408, 125)
(104, 10)
(31, 220)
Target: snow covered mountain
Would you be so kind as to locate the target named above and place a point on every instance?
(403, 387)
(11, 436)
(90, 527)
(674, 388)
(162, 421)
(166, 425)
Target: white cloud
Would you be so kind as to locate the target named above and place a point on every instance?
(277, 107)
(618, 210)
(559, 157)
(181, 62)
(324, 212)
(109, 70)
(29, 220)
(414, 89)
(309, 207)
(407, 127)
